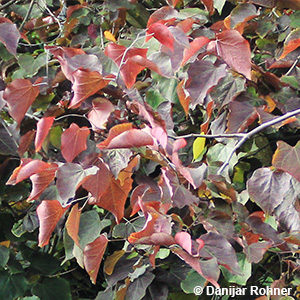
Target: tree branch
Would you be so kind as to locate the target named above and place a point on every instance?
(209, 136)
(254, 131)
(9, 3)
(27, 14)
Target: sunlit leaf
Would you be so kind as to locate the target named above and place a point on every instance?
(92, 256)
(49, 213)
(19, 95)
(73, 141)
(287, 158)
(43, 127)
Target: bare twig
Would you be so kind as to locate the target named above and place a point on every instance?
(126, 51)
(27, 15)
(209, 136)
(293, 66)
(254, 131)
(9, 3)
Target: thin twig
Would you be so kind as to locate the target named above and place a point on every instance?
(9, 3)
(27, 15)
(209, 136)
(254, 131)
(126, 51)
(71, 115)
(293, 66)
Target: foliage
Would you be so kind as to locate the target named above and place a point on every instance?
(147, 147)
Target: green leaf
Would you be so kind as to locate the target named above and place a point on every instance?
(89, 227)
(218, 5)
(295, 19)
(192, 280)
(4, 255)
(55, 136)
(246, 269)
(292, 81)
(12, 286)
(53, 288)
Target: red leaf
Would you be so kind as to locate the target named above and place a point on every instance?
(72, 224)
(49, 213)
(9, 36)
(209, 5)
(194, 262)
(242, 14)
(156, 231)
(287, 158)
(86, 84)
(132, 138)
(100, 112)
(124, 136)
(64, 54)
(291, 43)
(25, 142)
(73, 141)
(184, 99)
(241, 116)
(186, 25)
(184, 240)
(144, 62)
(98, 184)
(92, 256)
(195, 46)
(27, 168)
(19, 95)
(235, 51)
(114, 197)
(128, 71)
(162, 33)
(113, 132)
(164, 14)
(41, 180)
(43, 127)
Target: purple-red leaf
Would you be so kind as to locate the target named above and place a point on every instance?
(267, 188)
(235, 51)
(73, 141)
(92, 256)
(72, 224)
(162, 33)
(203, 76)
(195, 46)
(124, 136)
(128, 69)
(19, 95)
(291, 43)
(9, 36)
(86, 84)
(287, 158)
(43, 127)
(100, 112)
(49, 213)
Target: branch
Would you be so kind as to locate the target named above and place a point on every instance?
(209, 136)
(254, 131)
(27, 14)
(126, 51)
(9, 3)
